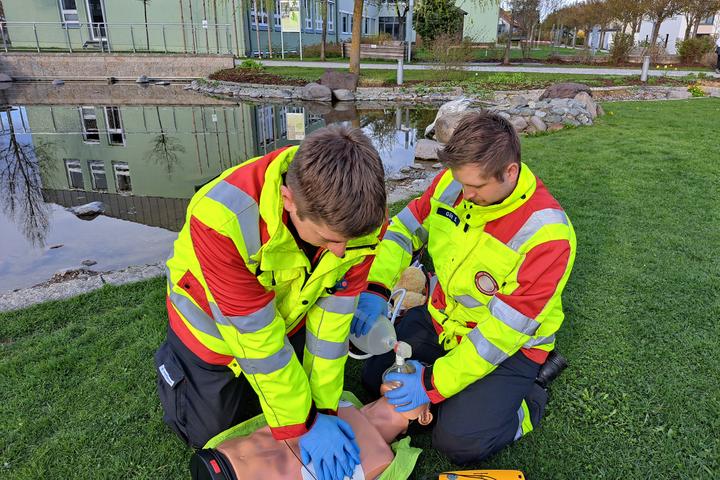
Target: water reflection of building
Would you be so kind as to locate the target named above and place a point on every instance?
(145, 162)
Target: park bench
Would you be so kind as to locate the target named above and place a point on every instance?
(389, 51)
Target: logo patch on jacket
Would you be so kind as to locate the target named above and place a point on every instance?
(486, 283)
(449, 215)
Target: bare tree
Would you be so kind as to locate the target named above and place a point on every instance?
(660, 10)
(697, 10)
(628, 14)
(165, 149)
(21, 164)
(270, 12)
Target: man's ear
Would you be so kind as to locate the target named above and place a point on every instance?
(288, 199)
(512, 172)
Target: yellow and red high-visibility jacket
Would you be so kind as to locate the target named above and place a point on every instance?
(238, 284)
(500, 271)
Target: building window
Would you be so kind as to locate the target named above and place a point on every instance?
(90, 132)
(115, 132)
(262, 17)
(122, 177)
(318, 16)
(276, 14)
(307, 6)
(331, 16)
(69, 14)
(74, 175)
(366, 26)
(345, 24)
(708, 21)
(264, 117)
(97, 175)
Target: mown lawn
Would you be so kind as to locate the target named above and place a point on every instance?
(472, 82)
(640, 399)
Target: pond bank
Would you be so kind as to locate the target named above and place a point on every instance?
(438, 95)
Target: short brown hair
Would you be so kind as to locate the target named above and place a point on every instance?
(337, 178)
(485, 139)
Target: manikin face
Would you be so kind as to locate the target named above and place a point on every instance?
(486, 190)
(314, 233)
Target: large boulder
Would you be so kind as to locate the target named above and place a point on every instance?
(519, 123)
(427, 149)
(4, 77)
(537, 123)
(316, 93)
(339, 80)
(565, 90)
(343, 95)
(584, 99)
(446, 125)
(462, 104)
(87, 211)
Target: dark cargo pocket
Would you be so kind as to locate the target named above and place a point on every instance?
(171, 389)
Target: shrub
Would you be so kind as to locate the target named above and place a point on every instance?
(696, 90)
(250, 64)
(379, 39)
(451, 54)
(331, 50)
(622, 46)
(433, 18)
(692, 50)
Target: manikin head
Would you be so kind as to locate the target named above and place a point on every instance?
(483, 154)
(335, 188)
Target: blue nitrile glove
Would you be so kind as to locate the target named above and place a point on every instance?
(331, 448)
(411, 394)
(370, 307)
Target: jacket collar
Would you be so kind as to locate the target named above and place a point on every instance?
(480, 215)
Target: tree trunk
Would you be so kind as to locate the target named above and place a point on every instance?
(257, 28)
(270, 10)
(688, 30)
(696, 27)
(323, 35)
(147, 33)
(356, 32)
(508, 45)
(656, 32)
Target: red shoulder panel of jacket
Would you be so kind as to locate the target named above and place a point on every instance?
(250, 178)
(504, 228)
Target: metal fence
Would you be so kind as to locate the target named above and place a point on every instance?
(205, 38)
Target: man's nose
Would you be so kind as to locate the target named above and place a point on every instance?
(338, 249)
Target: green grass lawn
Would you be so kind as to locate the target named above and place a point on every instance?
(640, 399)
(472, 82)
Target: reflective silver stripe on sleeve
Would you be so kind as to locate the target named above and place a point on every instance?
(325, 348)
(451, 193)
(195, 315)
(512, 318)
(432, 284)
(247, 323)
(533, 224)
(338, 304)
(269, 364)
(468, 301)
(246, 210)
(412, 224)
(535, 341)
(521, 417)
(404, 242)
(485, 349)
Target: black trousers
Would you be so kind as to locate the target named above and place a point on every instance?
(200, 400)
(481, 419)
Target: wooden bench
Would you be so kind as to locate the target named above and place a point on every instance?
(390, 51)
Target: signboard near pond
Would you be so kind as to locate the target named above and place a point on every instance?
(290, 15)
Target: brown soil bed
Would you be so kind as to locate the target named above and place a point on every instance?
(608, 64)
(244, 75)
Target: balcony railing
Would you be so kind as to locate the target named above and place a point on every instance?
(72, 36)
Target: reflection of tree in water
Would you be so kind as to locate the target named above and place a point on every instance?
(382, 127)
(165, 149)
(21, 164)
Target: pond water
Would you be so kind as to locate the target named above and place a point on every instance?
(142, 153)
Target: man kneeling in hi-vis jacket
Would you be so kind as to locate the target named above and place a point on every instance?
(262, 284)
(502, 249)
